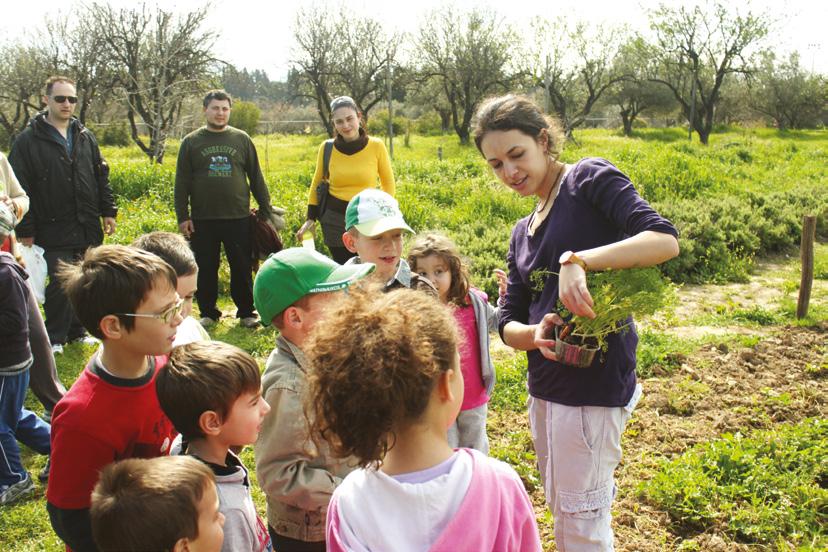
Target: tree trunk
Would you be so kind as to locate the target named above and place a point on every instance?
(627, 119)
(445, 120)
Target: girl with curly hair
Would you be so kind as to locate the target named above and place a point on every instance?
(384, 386)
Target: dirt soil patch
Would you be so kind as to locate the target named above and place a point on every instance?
(744, 389)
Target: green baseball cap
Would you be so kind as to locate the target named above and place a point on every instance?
(287, 276)
(373, 212)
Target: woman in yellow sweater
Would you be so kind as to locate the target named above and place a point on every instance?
(355, 163)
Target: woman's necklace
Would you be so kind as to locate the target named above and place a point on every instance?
(540, 212)
(555, 181)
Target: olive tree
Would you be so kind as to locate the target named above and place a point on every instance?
(160, 60)
(332, 59)
(468, 55)
(695, 49)
(786, 93)
(573, 65)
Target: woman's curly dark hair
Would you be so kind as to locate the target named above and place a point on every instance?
(373, 362)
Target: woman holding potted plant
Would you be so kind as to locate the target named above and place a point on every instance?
(345, 166)
(588, 217)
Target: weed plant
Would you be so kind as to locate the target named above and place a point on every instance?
(765, 488)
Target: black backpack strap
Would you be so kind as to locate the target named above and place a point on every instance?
(326, 159)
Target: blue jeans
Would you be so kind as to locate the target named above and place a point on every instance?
(18, 424)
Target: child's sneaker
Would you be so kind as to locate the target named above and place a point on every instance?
(10, 493)
(43, 476)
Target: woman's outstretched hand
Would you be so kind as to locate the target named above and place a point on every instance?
(545, 334)
(573, 292)
(307, 225)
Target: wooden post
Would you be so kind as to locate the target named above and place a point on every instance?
(439, 153)
(806, 255)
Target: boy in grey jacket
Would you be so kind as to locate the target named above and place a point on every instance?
(211, 392)
(291, 291)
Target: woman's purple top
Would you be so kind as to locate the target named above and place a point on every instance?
(597, 205)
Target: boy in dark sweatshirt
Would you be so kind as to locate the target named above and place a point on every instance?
(16, 422)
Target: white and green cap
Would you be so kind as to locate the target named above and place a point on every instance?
(373, 212)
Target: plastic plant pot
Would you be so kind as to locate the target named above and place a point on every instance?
(579, 356)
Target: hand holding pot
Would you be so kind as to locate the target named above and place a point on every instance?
(545, 334)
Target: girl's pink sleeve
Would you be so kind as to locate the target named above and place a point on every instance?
(332, 541)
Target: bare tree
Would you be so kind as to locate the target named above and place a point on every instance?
(314, 60)
(468, 54)
(161, 59)
(331, 59)
(573, 64)
(694, 51)
(74, 48)
(23, 73)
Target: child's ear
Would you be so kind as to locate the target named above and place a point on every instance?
(181, 545)
(111, 327)
(209, 422)
(349, 241)
(444, 385)
(293, 318)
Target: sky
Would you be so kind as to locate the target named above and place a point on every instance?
(257, 35)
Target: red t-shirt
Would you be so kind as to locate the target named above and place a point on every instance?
(99, 422)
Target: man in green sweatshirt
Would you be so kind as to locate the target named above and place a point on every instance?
(217, 169)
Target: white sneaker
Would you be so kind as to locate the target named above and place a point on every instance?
(10, 493)
(250, 322)
(57, 349)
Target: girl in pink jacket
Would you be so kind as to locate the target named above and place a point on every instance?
(385, 385)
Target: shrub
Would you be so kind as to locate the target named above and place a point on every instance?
(245, 116)
(765, 488)
(378, 124)
(115, 134)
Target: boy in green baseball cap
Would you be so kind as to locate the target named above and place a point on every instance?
(374, 226)
(292, 289)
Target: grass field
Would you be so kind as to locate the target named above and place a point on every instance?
(736, 202)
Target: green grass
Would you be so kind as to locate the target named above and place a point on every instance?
(767, 487)
(741, 196)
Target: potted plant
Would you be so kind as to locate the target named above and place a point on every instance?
(618, 295)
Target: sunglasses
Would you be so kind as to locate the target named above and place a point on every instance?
(61, 99)
(166, 317)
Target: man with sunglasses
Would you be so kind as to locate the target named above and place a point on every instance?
(58, 163)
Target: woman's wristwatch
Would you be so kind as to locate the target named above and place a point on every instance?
(569, 257)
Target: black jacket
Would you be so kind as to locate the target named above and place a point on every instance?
(68, 195)
(14, 317)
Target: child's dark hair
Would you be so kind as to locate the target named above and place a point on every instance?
(173, 248)
(433, 243)
(112, 279)
(202, 376)
(148, 504)
(372, 372)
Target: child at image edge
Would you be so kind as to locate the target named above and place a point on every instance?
(211, 392)
(16, 421)
(293, 290)
(166, 504)
(127, 299)
(385, 385)
(436, 258)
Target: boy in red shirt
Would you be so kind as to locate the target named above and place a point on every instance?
(127, 299)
